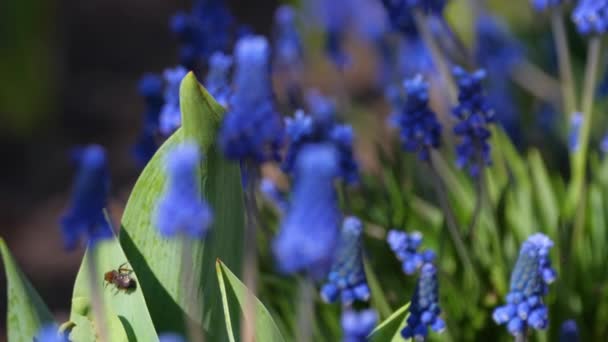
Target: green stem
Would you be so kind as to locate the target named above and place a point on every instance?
(96, 295)
(193, 330)
(306, 307)
(564, 61)
(250, 262)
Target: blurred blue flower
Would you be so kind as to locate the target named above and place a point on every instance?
(203, 31)
(170, 115)
(576, 122)
(529, 280)
(151, 89)
(274, 195)
(85, 216)
(217, 81)
(181, 209)
(591, 17)
(474, 114)
(401, 17)
(171, 337)
(604, 144)
(358, 325)
(405, 246)
(321, 127)
(50, 333)
(413, 58)
(419, 129)
(252, 128)
(424, 307)
(287, 41)
(346, 278)
(309, 230)
(543, 5)
(496, 50)
(569, 331)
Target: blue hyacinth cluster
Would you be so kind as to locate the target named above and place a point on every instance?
(151, 89)
(85, 216)
(171, 337)
(170, 114)
(474, 115)
(568, 332)
(217, 81)
(310, 228)
(424, 306)
(591, 17)
(273, 194)
(252, 129)
(203, 31)
(346, 278)
(321, 127)
(50, 333)
(419, 129)
(358, 325)
(496, 49)
(529, 283)
(405, 246)
(181, 209)
(543, 5)
(287, 41)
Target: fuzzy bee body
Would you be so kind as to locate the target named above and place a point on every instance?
(121, 279)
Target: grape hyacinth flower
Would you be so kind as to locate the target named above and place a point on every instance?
(424, 307)
(576, 123)
(419, 129)
(474, 114)
(287, 42)
(529, 280)
(346, 278)
(171, 337)
(273, 194)
(309, 230)
(604, 145)
(569, 331)
(181, 209)
(591, 17)
(496, 50)
(170, 115)
(252, 129)
(321, 127)
(50, 333)
(203, 31)
(543, 5)
(405, 246)
(217, 82)
(85, 216)
(151, 89)
(358, 325)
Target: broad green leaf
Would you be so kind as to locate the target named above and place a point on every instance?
(83, 329)
(390, 329)
(126, 312)
(265, 328)
(26, 312)
(545, 197)
(157, 261)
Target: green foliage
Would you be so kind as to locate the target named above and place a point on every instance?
(26, 312)
(390, 329)
(266, 328)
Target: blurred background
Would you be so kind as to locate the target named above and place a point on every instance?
(68, 76)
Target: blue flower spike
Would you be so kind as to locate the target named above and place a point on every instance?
(170, 115)
(529, 283)
(85, 216)
(474, 115)
(151, 89)
(405, 246)
(358, 325)
(424, 306)
(419, 129)
(569, 332)
(181, 209)
(346, 278)
(310, 229)
(217, 81)
(50, 333)
(591, 17)
(252, 129)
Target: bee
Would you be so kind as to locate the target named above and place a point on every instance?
(121, 278)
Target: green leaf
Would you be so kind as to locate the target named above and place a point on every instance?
(377, 294)
(126, 312)
(157, 261)
(543, 189)
(83, 329)
(390, 329)
(26, 312)
(265, 328)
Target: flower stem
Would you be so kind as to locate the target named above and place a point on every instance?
(96, 295)
(193, 330)
(306, 309)
(250, 262)
(564, 61)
